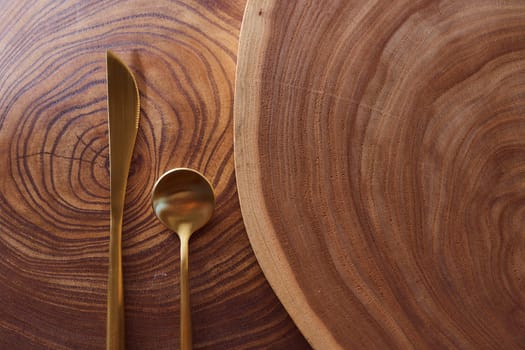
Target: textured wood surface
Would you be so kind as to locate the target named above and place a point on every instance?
(54, 178)
(380, 157)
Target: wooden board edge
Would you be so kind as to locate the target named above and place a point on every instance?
(255, 27)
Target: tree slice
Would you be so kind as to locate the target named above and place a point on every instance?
(380, 159)
(54, 178)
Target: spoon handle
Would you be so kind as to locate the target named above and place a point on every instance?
(185, 312)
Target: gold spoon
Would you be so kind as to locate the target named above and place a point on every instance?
(184, 201)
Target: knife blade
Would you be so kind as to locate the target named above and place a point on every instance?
(123, 116)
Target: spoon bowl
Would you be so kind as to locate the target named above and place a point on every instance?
(183, 197)
(183, 200)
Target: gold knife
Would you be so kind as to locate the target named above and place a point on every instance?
(123, 112)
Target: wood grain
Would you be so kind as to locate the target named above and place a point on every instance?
(54, 178)
(380, 157)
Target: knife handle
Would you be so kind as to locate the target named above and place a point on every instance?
(115, 316)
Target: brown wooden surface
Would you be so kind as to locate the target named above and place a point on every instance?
(380, 157)
(54, 179)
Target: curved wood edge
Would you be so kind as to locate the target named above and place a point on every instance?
(255, 28)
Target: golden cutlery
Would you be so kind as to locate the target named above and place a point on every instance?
(184, 201)
(123, 112)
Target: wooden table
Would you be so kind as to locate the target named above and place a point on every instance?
(54, 178)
